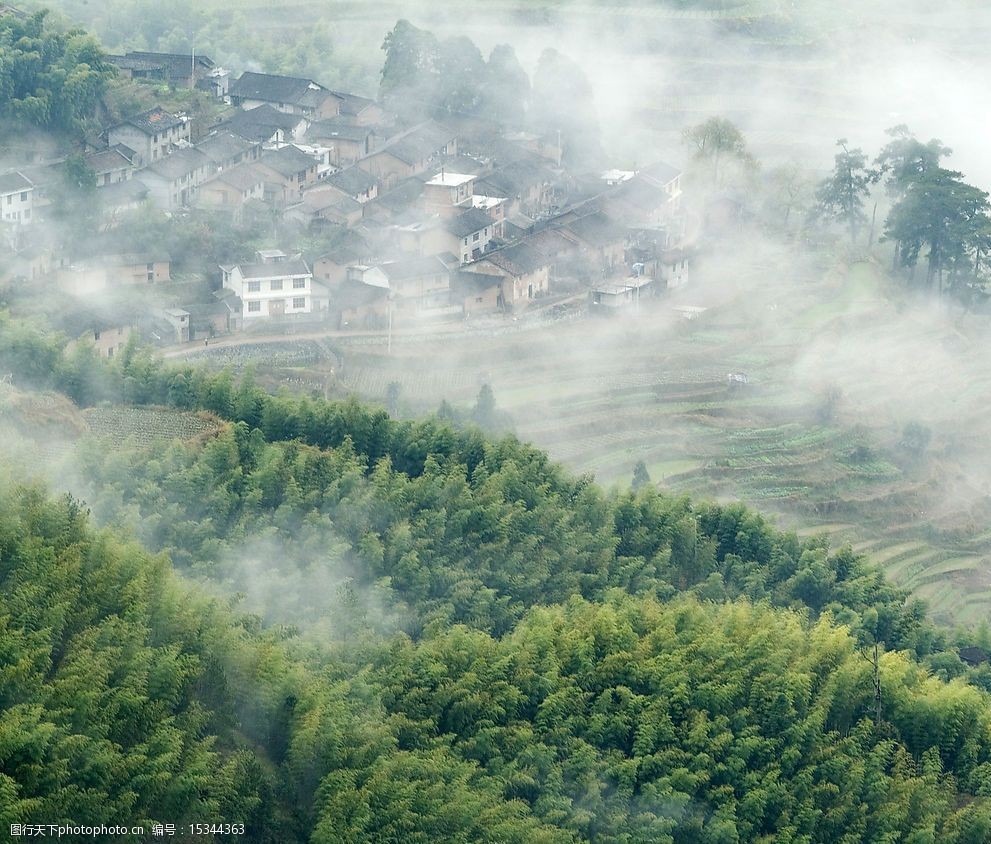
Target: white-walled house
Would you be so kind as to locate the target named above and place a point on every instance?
(16, 198)
(273, 286)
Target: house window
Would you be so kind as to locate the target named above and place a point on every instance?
(96, 335)
(150, 267)
(277, 285)
(110, 352)
(478, 299)
(474, 238)
(151, 276)
(466, 241)
(254, 286)
(254, 307)
(299, 283)
(299, 302)
(24, 196)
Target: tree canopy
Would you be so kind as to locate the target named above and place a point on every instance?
(50, 78)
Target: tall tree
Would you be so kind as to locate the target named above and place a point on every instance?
(941, 213)
(841, 196)
(717, 142)
(562, 101)
(905, 160)
(410, 70)
(460, 77)
(506, 91)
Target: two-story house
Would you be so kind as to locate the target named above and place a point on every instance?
(153, 134)
(110, 166)
(273, 286)
(289, 172)
(225, 149)
(173, 180)
(447, 194)
(16, 198)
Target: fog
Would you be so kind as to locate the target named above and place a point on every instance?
(830, 339)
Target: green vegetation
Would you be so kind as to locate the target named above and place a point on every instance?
(49, 78)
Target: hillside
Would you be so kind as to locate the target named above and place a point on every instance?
(480, 647)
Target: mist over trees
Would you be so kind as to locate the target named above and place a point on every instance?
(332, 621)
(423, 76)
(934, 215)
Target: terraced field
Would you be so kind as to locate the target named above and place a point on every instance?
(119, 425)
(602, 396)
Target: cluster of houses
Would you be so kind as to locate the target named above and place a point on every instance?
(437, 220)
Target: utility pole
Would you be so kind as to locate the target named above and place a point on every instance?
(192, 67)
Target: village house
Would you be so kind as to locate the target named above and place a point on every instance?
(225, 149)
(476, 293)
(447, 194)
(111, 166)
(273, 286)
(361, 111)
(331, 266)
(118, 199)
(153, 134)
(346, 142)
(30, 263)
(495, 207)
(361, 305)
(410, 154)
(650, 198)
(355, 183)
(172, 181)
(471, 230)
(524, 271)
(231, 188)
(266, 126)
(614, 296)
(16, 198)
(289, 94)
(418, 285)
(598, 236)
(466, 235)
(178, 69)
(324, 205)
(527, 186)
(108, 339)
(113, 271)
(289, 171)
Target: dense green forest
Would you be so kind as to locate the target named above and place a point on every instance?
(444, 637)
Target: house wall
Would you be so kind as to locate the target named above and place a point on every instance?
(107, 341)
(142, 273)
(388, 169)
(17, 206)
(330, 273)
(115, 175)
(219, 194)
(372, 315)
(270, 299)
(149, 147)
(482, 301)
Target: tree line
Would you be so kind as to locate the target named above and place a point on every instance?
(934, 217)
